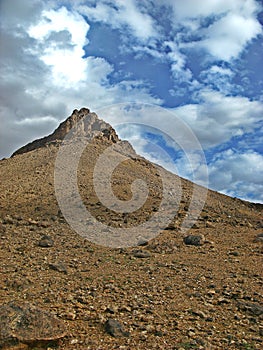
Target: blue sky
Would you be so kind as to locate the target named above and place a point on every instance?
(200, 60)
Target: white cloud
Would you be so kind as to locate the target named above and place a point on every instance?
(229, 27)
(178, 63)
(235, 172)
(219, 78)
(221, 71)
(217, 118)
(193, 9)
(227, 38)
(121, 14)
(61, 36)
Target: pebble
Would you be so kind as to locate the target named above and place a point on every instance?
(142, 242)
(141, 254)
(60, 267)
(46, 242)
(259, 238)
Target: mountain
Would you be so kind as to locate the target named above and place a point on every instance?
(191, 282)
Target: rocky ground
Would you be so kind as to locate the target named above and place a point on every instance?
(172, 292)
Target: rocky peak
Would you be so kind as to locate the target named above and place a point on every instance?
(87, 124)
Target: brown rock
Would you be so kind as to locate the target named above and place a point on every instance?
(28, 324)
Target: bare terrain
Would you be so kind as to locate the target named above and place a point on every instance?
(166, 293)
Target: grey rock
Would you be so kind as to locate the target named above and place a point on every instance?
(252, 308)
(141, 254)
(115, 328)
(259, 238)
(60, 267)
(194, 240)
(46, 242)
(142, 242)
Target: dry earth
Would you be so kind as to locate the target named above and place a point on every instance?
(166, 294)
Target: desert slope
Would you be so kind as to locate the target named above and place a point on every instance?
(167, 294)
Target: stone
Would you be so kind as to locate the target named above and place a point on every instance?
(141, 254)
(112, 309)
(60, 267)
(46, 242)
(259, 238)
(27, 324)
(115, 328)
(167, 247)
(252, 308)
(142, 242)
(194, 240)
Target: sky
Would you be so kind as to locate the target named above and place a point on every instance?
(199, 61)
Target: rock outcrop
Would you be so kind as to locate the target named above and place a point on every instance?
(86, 124)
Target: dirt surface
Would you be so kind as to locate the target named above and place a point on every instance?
(163, 294)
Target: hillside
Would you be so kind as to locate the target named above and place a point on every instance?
(167, 292)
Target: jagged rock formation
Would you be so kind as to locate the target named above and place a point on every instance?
(87, 124)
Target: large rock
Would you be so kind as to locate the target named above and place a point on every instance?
(27, 324)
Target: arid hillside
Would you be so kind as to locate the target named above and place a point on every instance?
(200, 287)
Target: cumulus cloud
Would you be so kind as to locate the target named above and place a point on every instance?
(226, 38)
(61, 36)
(238, 172)
(122, 14)
(217, 118)
(222, 29)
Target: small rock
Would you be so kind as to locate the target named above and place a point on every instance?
(60, 267)
(8, 220)
(222, 301)
(199, 313)
(252, 308)
(209, 224)
(194, 240)
(234, 253)
(141, 254)
(167, 247)
(46, 242)
(259, 238)
(115, 328)
(44, 224)
(69, 315)
(142, 242)
(112, 309)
